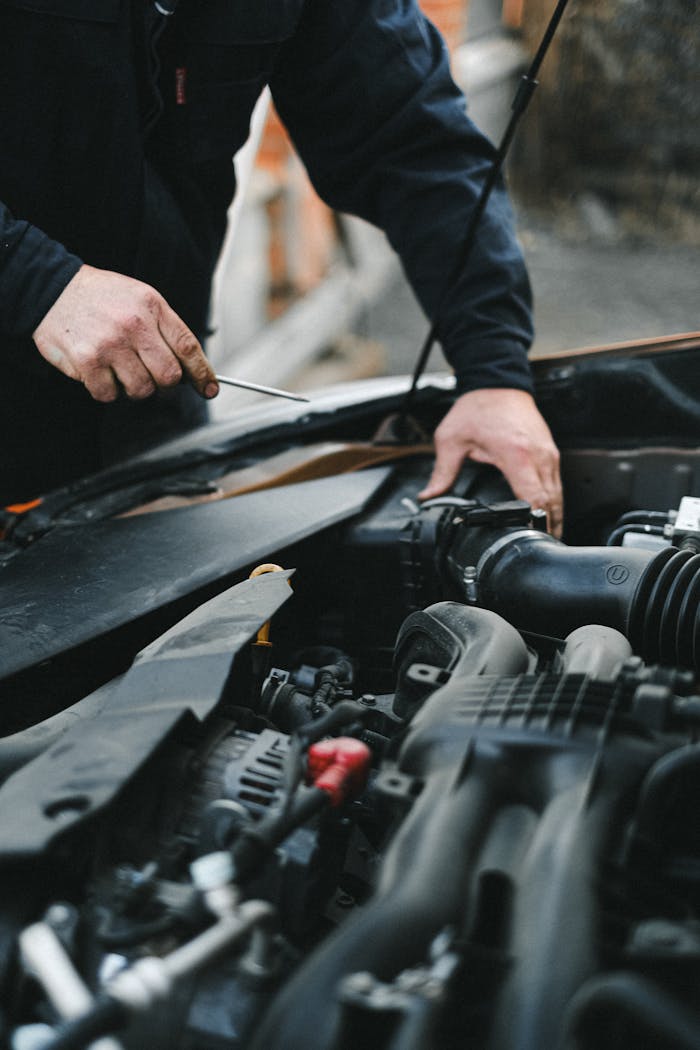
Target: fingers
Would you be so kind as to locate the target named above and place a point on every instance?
(112, 332)
(101, 384)
(503, 428)
(189, 353)
(449, 457)
(130, 372)
(530, 465)
(541, 489)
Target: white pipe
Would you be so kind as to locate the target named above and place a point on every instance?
(47, 960)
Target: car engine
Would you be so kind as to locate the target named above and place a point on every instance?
(426, 779)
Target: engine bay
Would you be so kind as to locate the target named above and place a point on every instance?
(388, 775)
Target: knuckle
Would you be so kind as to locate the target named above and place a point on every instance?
(100, 356)
(186, 347)
(85, 357)
(101, 392)
(141, 390)
(521, 447)
(150, 299)
(134, 324)
(170, 375)
(449, 434)
(92, 364)
(99, 382)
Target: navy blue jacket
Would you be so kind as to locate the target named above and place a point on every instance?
(109, 160)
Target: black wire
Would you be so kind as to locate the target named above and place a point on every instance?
(346, 713)
(643, 517)
(525, 91)
(257, 842)
(157, 106)
(135, 933)
(105, 1016)
(617, 535)
(341, 716)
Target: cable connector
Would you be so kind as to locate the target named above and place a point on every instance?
(339, 767)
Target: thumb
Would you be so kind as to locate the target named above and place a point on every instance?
(187, 349)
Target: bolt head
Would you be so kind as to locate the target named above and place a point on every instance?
(212, 870)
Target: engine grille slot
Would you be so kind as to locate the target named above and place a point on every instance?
(254, 777)
(245, 767)
(548, 702)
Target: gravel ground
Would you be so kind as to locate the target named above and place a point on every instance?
(589, 289)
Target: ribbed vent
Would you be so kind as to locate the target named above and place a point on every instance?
(254, 777)
(208, 784)
(547, 702)
(245, 767)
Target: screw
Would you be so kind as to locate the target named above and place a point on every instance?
(469, 579)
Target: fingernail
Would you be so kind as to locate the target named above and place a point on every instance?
(211, 390)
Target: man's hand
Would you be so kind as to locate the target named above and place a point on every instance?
(504, 428)
(107, 330)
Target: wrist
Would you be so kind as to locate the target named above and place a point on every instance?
(34, 270)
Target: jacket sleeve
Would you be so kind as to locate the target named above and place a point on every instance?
(34, 270)
(366, 93)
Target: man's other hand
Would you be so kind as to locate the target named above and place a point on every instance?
(503, 428)
(107, 330)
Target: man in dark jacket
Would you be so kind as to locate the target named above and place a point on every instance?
(120, 119)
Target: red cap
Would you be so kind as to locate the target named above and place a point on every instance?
(339, 767)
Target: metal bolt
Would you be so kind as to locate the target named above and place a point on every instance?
(361, 983)
(368, 699)
(59, 915)
(212, 871)
(538, 517)
(469, 579)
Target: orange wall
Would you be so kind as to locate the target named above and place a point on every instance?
(450, 16)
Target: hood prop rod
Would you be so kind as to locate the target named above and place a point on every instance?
(525, 91)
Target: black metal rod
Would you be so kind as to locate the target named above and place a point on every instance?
(525, 91)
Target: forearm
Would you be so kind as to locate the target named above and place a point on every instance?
(34, 271)
(384, 133)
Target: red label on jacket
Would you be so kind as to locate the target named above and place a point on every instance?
(181, 86)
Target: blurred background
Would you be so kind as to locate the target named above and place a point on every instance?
(603, 173)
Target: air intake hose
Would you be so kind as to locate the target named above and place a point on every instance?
(542, 586)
